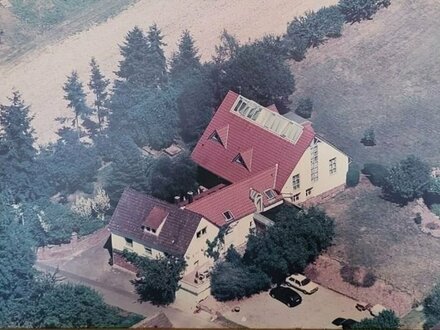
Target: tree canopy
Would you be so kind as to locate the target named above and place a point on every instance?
(358, 10)
(407, 180)
(296, 239)
(157, 279)
(385, 320)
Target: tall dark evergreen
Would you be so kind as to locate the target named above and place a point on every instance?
(17, 152)
(98, 84)
(185, 60)
(74, 93)
(134, 53)
(157, 63)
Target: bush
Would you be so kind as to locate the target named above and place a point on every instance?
(407, 180)
(312, 30)
(369, 138)
(231, 281)
(355, 276)
(385, 320)
(353, 175)
(358, 10)
(304, 108)
(432, 307)
(435, 208)
(418, 218)
(376, 173)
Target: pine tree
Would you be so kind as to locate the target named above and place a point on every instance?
(134, 52)
(17, 152)
(98, 84)
(157, 63)
(77, 98)
(186, 60)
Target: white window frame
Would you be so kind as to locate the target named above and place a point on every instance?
(228, 218)
(148, 250)
(296, 182)
(295, 197)
(332, 165)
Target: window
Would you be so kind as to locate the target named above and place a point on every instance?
(128, 242)
(228, 216)
(309, 191)
(270, 194)
(314, 161)
(201, 232)
(215, 137)
(148, 250)
(295, 198)
(153, 231)
(239, 160)
(332, 166)
(295, 182)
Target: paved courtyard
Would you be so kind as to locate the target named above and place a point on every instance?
(316, 311)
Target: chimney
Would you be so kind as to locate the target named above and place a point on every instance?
(190, 196)
(176, 200)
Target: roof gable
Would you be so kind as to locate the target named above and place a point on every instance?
(235, 198)
(134, 208)
(268, 148)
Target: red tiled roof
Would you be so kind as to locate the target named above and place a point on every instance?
(234, 198)
(155, 218)
(176, 234)
(160, 320)
(223, 135)
(268, 149)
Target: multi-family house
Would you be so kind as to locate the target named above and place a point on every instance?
(266, 157)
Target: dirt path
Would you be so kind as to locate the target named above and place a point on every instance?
(39, 75)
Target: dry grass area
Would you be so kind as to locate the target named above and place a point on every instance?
(383, 73)
(383, 237)
(39, 75)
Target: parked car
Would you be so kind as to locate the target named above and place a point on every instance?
(302, 283)
(286, 296)
(345, 323)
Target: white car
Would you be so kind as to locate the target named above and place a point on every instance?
(301, 283)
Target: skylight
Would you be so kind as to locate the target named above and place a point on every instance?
(267, 119)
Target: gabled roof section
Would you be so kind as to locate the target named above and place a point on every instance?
(156, 217)
(235, 198)
(268, 148)
(134, 208)
(221, 136)
(245, 158)
(273, 108)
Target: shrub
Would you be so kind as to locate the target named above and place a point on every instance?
(358, 10)
(347, 273)
(353, 175)
(376, 173)
(368, 280)
(231, 281)
(418, 218)
(435, 208)
(385, 320)
(369, 138)
(407, 180)
(304, 108)
(312, 30)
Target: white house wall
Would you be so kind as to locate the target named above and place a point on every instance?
(119, 244)
(326, 181)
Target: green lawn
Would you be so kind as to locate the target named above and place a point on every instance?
(383, 73)
(383, 237)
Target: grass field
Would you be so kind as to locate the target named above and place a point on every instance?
(30, 24)
(383, 237)
(383, 73)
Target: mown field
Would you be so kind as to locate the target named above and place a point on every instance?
(384, 74)
(383, 237)
(29, 24)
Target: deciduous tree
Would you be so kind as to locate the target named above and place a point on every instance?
(358, 10)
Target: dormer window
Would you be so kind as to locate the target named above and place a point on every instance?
(228, 216)
(215, 137)
(239, 160)
(270, 194)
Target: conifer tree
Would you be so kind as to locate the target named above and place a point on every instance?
(17, 152)
(186, 59)
(77, 98)
(98, 84)
(134, 52)
(157, 63)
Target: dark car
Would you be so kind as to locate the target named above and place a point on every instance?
(286, 296)
(345, 323)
